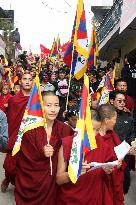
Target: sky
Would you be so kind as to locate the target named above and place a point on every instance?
(39, 21)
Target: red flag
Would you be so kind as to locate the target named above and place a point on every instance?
(44, 49)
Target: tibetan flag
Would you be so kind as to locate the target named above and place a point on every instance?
(30, 56)
(94, 52)
(105, 88)
(80, 43)
(84, 139)
(9, 78)
(64, 47)
(34, 115)
(68, 53)
(111, 74)
(54, 51)
(58, 43)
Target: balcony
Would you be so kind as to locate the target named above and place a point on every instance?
(109, 22)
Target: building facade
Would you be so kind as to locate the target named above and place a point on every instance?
(116, 30)
(2, 46)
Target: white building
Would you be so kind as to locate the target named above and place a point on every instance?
(2, 46)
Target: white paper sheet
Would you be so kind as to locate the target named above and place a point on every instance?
(122, 150)
(96, 165)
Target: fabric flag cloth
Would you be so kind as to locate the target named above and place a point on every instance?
(111, 74)
(54, 49)
(77, 52)
(34, 115)
(68, 53)
(44, 50)
(64, 47)
(58, 55)
(94, 52)
(9, 78)
(30, 56)
(80, 43)
(106, 87)
(84, 139)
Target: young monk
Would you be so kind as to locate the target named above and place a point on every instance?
(16, 108)
(108, 116)
(34, 182)
(4, 98)
(17, 88)
(90, 187)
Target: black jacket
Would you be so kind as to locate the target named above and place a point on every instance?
(129, 74)
(124, 127)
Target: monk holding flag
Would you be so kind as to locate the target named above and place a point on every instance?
(37, 158)
(16, 108)
(86, 148)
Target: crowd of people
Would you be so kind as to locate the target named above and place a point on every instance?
(29, 170)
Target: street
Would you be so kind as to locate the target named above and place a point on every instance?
(8, 197)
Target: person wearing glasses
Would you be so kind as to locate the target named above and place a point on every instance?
(124, 128)
(121, 85)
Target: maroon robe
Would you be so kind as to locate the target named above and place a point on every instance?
(129, 103)
(16, 109)
(91, 188)
(34, 183)
(112, 140)
(4, 100)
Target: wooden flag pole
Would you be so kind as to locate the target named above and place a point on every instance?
(50, 157)
(48, 141)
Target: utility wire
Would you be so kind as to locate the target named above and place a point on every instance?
(68, 4)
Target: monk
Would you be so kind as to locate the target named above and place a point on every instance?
(16, 108)
(108, 116)
(4, 98)
(90, 188)
(35, 184)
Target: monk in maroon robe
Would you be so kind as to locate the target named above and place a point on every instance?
(4, 98)
(99, 187)
(91, 187)
(34, 182)
(16, 108)
(109, 115)
(94, 187)
(112, 140)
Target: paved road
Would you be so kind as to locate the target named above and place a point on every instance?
(8, 197)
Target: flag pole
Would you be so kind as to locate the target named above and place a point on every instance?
(48, 141)
(70, 78)
(50, 157)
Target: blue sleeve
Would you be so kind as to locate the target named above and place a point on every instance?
(3, 130)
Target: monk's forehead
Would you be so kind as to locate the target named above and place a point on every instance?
(27, 75)
(51, 99)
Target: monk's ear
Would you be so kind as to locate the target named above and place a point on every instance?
(106, 121)
(19, 82)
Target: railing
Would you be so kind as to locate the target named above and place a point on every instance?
(109, 22)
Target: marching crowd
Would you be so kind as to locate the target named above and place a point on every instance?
(114, 122)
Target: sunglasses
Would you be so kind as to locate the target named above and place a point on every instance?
(120, 101)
